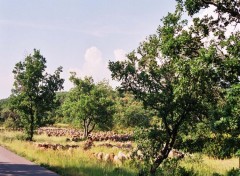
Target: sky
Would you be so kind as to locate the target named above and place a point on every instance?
(79, 35)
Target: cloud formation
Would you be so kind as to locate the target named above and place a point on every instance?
(94, 65)
(120, 55)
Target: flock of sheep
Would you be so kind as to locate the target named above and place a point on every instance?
(111, 157)
(45, 146)
(78, 135)
(108, 139)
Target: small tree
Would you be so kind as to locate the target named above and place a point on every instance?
(90, 104)
(34, 90)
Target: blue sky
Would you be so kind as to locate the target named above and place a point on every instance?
(80, 35)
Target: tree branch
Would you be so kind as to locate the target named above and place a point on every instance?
(232, 12)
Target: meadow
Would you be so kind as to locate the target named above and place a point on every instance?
(80, 162)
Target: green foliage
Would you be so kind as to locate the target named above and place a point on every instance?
(130, 112)
(221, 147)
(4, 109)
(173, 74)
(230, 121)
(34, 90)
(238, 153)
(229, 7)
(172, 167)
(193, 139)
(185, 81)
(233, 172)
(56, 115)
(8, 115)
(4, 103)
(10, 123)
(89, 104)
(149, 141)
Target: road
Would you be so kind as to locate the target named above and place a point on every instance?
(12, 164)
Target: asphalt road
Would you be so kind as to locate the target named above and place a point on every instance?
(12, 164)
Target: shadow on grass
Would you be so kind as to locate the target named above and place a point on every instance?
(89, 171)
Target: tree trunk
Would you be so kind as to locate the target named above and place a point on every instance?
(85, 131)
(31, 130)
(165, 151)
(159, 160)
(87, 128)
(85, 124)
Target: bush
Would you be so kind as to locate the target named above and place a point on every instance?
(171, 167)
(10, 123)
(21, 137)
(233, 172)
(221, 147)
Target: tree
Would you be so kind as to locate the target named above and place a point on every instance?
(3, 109)
(90, 104)
(130, 112)
(174, 73)
(34, 91)
(224, 124)
(230, 7)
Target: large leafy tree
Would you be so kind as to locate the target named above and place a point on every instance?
(176, 74)
(223, 7)
(89, 104)
(34, 91)
(223, 29)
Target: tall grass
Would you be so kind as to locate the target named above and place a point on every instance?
(205, 166)
(76, 162)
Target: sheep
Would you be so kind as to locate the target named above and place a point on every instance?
(106, 157)
(128, 156)
(121, 156)
(111, 156)
(116, 160)
(100, 155)
(175, 154)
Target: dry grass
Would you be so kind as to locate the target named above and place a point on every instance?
(78, 162)
(206, 166)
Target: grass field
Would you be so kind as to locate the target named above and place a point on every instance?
(78, 162)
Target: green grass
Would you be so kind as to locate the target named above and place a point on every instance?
(206, 166)
(78, 162)
(51, 140)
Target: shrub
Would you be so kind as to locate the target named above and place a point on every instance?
(172, 167)
(233, 172)
(221, 147)
(10, 123)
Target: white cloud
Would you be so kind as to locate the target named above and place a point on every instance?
(93, 55)
(94, 65)
(120, 54)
